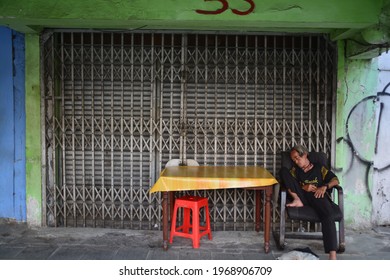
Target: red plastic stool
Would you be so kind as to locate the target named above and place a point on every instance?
(194, 203)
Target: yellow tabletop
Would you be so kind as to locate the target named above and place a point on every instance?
(183, 178)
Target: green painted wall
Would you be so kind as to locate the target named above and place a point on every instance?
(356, 127)
(283, 15)
(33, 131)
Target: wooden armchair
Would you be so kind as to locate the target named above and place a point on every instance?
(305, 217)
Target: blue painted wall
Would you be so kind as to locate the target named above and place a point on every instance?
(12, 126)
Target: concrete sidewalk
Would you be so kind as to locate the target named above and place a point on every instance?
(20, 242)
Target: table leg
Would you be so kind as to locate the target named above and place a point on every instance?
(165, 219)
(267, 220)
(171, 198)
(258, 210)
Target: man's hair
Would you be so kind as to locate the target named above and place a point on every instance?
(301, 150)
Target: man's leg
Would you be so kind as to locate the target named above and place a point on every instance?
(326, 213)
(293, 188)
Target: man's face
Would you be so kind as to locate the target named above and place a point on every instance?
(300, 161)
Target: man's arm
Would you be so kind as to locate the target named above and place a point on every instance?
(333, 182)
(329, 179)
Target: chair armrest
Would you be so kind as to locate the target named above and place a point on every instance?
(338, 188)
(340, 197)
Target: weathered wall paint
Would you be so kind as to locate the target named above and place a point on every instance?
(20, 126)
(6, 123)
(12, 126)
(282, 15)
(356, 127)
(33, 132)
(381, 178)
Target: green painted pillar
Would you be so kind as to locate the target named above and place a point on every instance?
(33, 131)
(356, 127)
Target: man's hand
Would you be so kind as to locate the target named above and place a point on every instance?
(320, 192)
(309, 188)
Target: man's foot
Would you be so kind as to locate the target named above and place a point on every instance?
(295, 203)
(332, 255)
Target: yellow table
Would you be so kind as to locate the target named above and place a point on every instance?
(184, 178)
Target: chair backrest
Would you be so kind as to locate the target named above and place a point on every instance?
(314, 157)
(177, 162)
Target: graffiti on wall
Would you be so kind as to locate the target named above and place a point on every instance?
(356, 126)
(225, 6)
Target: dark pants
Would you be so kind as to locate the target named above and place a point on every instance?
(323, 207)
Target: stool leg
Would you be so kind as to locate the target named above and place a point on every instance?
(195, 227)
(186, 220)
(208, 227)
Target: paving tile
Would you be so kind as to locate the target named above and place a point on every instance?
(128, 253)
(36, 253)
(18, 241)
(9, 252)
(98, 253)
(66, 253)
(159, 254)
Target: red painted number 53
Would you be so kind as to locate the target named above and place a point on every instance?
(225, 6)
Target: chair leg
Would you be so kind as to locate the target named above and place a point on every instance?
(341, 237)
(282, 223)
(341, 223)
(282, 236)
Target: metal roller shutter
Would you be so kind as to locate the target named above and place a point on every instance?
(119, 105)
